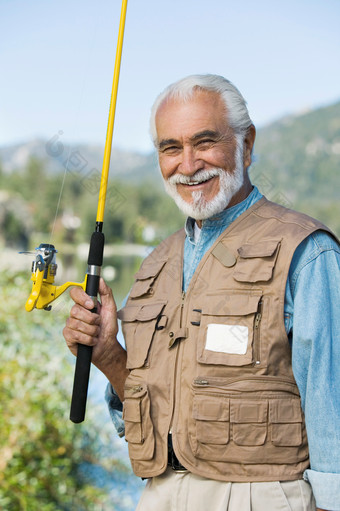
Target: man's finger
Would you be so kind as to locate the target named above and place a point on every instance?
(106, 296)
(91, 329)
(78, 295)
(74, 337)
(82, 314)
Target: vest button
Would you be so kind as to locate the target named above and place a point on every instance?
(171, 334)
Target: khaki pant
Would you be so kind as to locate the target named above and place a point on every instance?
(174, 491)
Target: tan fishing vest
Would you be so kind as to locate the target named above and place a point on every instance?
(214, 365)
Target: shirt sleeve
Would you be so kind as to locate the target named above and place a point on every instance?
(314, 326)
(115, 409)
(113, 402)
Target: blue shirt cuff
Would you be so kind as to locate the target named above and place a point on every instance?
(115, 409)
(326, 489)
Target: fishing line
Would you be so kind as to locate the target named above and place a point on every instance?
(59, 198)
(44, 292)
(89, 60)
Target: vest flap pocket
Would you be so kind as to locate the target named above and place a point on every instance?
(285, 410)
(249, 422)
(210, 426)
(231, 304)
(229, 328)
(138, 425)
(286, 422)
(150, 269)
(131, 411)
(266, 248)
(141, 312)
(249, 435)
(139, 325)
(210, 433)
(248, 411)
(256, 262)
(145, 278)
(287, 435)
(210, 408)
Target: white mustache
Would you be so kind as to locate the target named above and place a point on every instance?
(199, 177)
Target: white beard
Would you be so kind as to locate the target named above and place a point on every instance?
(230, 183)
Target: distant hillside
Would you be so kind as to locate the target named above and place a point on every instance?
(78, 158)
(296, 162)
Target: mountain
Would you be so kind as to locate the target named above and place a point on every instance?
(296, 162)
(79, 158)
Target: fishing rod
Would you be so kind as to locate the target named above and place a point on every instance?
(44, 267)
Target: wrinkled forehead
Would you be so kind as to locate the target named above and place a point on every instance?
(197, 96)
(202, 110)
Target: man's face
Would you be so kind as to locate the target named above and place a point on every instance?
(194, 137)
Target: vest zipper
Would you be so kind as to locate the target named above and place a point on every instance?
(181, 310)
(257, 347)
(176, 362)
(219, 384)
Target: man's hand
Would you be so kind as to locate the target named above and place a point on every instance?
(100, 331)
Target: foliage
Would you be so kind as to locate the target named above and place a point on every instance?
(129, 208)
(297, 163)
(43, 455)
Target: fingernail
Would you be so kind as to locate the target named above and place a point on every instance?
(89, 303)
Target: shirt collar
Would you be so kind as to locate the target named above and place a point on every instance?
(225, 217)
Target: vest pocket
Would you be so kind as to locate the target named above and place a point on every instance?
(286, 423)
(256, 262)
(249, 422)
(210, 430)
(139, 324)
(145, 278)
(138, 426)
(229, 329)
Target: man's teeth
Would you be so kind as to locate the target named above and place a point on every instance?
(192, 183)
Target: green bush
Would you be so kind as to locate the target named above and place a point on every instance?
(42, 453)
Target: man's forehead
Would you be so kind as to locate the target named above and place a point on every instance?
(204, 111)
(176, 102)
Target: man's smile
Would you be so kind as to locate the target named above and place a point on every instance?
(197, 184)
(200, 181)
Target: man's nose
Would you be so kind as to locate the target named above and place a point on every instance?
(189, 162)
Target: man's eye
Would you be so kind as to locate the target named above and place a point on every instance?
(207, 142)
(170, 149)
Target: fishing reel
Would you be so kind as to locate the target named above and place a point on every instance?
(44, 269)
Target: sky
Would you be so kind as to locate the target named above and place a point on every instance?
(57, 60)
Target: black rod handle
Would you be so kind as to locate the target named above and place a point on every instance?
(81, 383)
(84, 354)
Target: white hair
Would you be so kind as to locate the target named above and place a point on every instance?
(237, 112)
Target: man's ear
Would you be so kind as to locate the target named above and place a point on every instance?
(248, 145)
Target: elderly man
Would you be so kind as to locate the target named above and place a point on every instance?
(231, 375)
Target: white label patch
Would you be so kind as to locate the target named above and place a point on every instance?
(231, 339)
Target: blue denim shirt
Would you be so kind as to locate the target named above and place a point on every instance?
(312, 321)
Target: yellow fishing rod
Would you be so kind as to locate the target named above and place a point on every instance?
(96, 250)
(44, 267)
